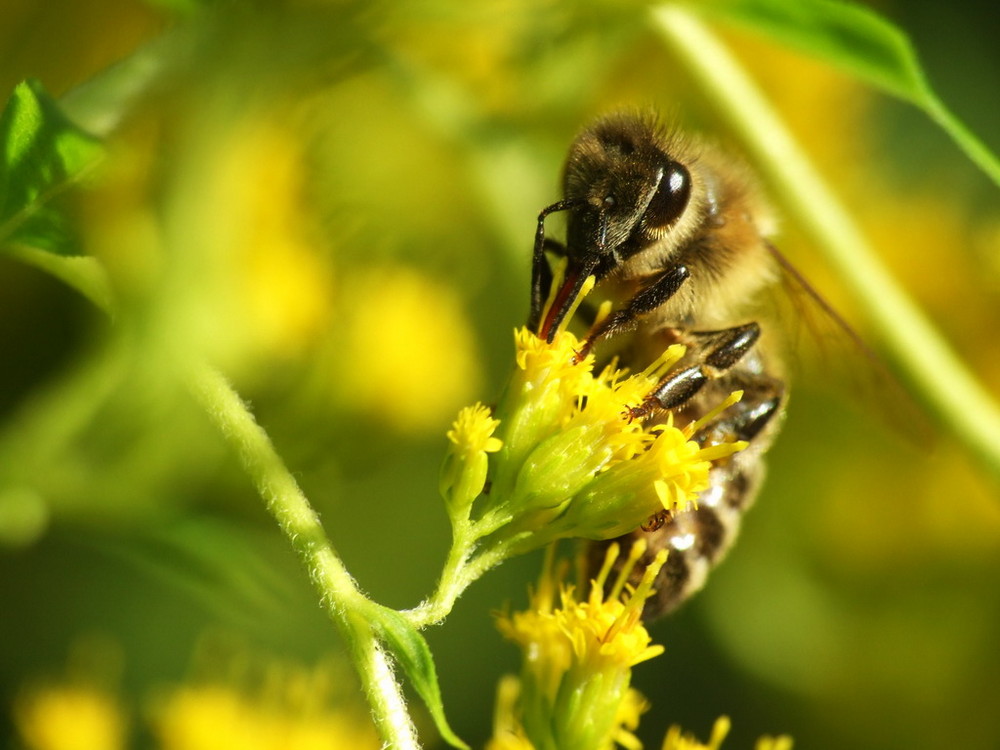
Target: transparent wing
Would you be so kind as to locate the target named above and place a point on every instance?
(820, 345)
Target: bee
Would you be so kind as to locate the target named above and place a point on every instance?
(677, 237)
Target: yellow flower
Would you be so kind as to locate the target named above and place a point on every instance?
(570, 461)
(70, 717)
(464, 472)
(395, 323)
(217, 716)
(472, 432)
(578, 657)
(508, 734)
(782, 742)
(668, 475)
(627, 720)
(200, 718)
(281, 291)
(573, 464)
(677, 740)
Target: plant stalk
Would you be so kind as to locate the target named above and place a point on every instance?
(300, 523)
(463, 567)
(936, 375)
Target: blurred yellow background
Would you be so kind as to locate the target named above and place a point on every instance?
(335, 203)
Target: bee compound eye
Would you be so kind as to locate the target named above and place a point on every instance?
(609, 201)
(671, 197)
(678, 180)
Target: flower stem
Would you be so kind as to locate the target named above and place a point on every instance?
(936, 375)
(450, 586)
(300, 523)
(381, 688)
(462, 568)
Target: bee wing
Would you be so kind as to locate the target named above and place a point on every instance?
(820, 340)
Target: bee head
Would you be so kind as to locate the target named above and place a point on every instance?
(622, 191)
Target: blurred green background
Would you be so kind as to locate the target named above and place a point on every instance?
(335, 203)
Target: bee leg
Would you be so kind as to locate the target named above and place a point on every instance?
(541, 279)
(762, 400)
(730, 346)
(662, 288)
(698, 538)
(541, 274)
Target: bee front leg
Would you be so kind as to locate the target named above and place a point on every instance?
(727, 349)
(541, 273)
(662, 288)
(541, 280)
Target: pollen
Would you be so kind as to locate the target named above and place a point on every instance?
(555, 362)
(578, 655)
(473, 431)
(599, 632)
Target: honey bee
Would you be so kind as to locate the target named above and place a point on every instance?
(676, 236)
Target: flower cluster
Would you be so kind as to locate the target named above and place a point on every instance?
(578, 655)
(676, 739)
(283, 707)
(561, 457)
(574, 689)
(56, 716)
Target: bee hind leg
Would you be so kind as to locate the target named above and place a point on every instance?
(698, 538)
(747, 419)
(727, 348)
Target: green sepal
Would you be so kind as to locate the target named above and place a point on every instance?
(414, 656)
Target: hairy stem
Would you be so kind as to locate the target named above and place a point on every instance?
(300, 523)
(935, 373)
(462, 568)
(381, 688)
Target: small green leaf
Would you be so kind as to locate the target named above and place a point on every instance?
(858, 40)
(43, 153)
(414, 656)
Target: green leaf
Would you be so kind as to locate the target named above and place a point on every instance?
(858, 40)
(414, 656)
(43, 153)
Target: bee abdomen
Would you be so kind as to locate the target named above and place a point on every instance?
(696, 540)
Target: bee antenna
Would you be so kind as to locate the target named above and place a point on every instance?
(541, 276)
